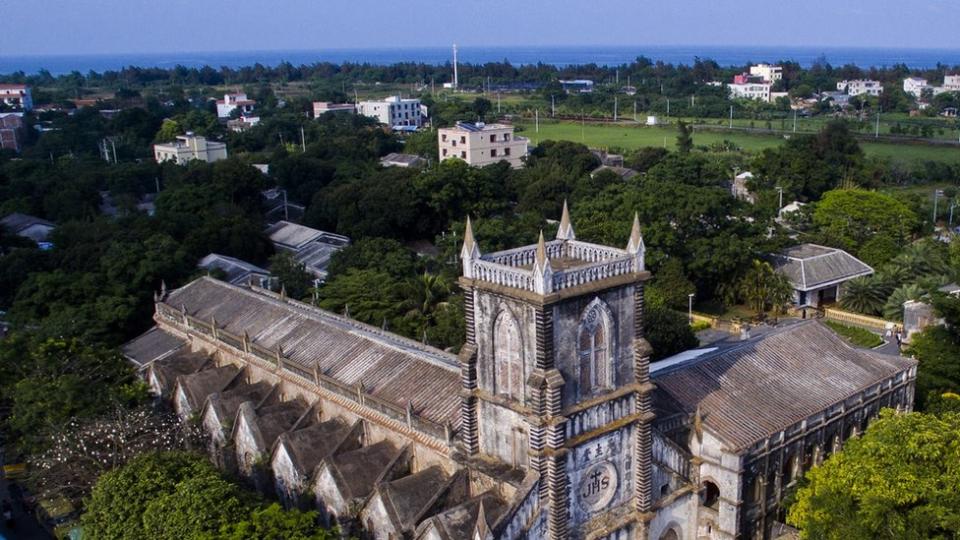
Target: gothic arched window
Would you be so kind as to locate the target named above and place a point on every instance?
(594, 372)
(507, 357)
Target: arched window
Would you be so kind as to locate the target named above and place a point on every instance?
(710, 495)
(594, 372)
(507, 357)
(670, 534)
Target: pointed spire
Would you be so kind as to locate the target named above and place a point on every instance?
(635, 246)
(482, 528)
(542, 259)
(469, 251)
(565, 231)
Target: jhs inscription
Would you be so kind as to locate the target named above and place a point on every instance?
(598, 485)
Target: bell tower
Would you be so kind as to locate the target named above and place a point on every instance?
(555, 375)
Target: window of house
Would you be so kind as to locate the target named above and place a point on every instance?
(443, 137)
(493, 138)
(710, 495)
(463, 139)
(506, 151)
(493, 152)
(506, 136)
(444, 151)
(507, 356)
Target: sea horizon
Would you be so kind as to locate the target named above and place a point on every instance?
(561, 56)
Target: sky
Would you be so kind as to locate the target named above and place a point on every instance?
(34, 27)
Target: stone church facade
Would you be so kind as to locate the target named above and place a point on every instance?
(550, 423)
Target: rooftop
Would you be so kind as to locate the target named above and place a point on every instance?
(152, 345)
(389, 367)
(810, 266)
(752, 390)
(236, 271)
(477, 127)
(295, 236)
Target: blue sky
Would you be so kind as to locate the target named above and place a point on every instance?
(111, 26)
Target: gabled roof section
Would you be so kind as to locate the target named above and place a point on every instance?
(751, 391)
(357, 472)
(150, 346)
(197, 386)
(811, 266)
(307, 447)
(407, 498)
(389, 367)
(460, 522)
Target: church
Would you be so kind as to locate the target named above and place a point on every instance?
(550, 423)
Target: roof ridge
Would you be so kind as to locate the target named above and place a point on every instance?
(363, 330)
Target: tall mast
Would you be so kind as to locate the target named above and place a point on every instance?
(456, 81)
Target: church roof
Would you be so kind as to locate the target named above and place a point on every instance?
(181, 362)
(809, 266)
(228, 401)
(409, 496)
(151, 345)
(358, 471)
(389, 367)
(197, 386)
(461, 521)
(308, 446)
(748, 392)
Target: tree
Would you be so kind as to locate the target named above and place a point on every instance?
(848, 218)
(380, 254)
(667, 331)
(937, 348)
(481, 106)
(83, 450)
(423, 297)
(866, 294)
(764, 288)
(169, 130)
(174, 495)
(291, 274)
(670, 286)
(49, 383)
(893, 308)
(684, 138)
(899, 481)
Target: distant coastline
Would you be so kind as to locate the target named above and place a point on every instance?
(558, 56)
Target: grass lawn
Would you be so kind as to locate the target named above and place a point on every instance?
(631, 137)
(856, 336)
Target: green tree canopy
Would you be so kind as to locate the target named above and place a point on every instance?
(849, 218)
(899, 481)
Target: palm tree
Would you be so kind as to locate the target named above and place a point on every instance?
(865, 295)
(424, 296)
(762, 287)
(893, 309)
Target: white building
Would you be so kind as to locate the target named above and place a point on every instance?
(393, 111)
(189, 147)
(748, 90)
(951, 83)
(310, 247)
(860, 86)
(482, 144)
(16, 96)
(230, 102)
(577, 86)
(322, 107)
(767, 72)
(914, 86)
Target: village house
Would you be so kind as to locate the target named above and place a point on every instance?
(190, 147)
(16, 96)
(481, 144)
(232, 102)
(817, 273)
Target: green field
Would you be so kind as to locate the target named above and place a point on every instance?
(631, 137)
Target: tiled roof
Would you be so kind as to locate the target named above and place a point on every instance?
(391, 368)
(461, 521)
(309, 446)
(407, 159)
(751, 391)
(809, 266)
(17, 222)
(153, 344)
(197, 386)
(236, 271)
(407, 497)
(357, 472)
(291, 235)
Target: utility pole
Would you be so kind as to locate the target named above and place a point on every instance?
(668, 107)
(498, 102)
(618, 78)
(953, 204)
(615, 103)
(553, 106)
(634, 110)
(780, 191)
(303, 140)
(794, 120)
(537, 116)
(936, 195)
(877, 132)
(731, 117)
(582, 122)
(456, 80)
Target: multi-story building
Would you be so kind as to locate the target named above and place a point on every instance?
(189, 147)
(915, 86)
(393, 111)
(482, 144)
(951, 83)
(577, 86)
(231, 102)
(860, 87)
(322, 107)
(750, 90)
(16, 96)
(551, 422)
(767, 72)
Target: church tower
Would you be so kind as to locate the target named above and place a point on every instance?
(556, 380)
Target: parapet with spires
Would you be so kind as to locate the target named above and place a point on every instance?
(556, 266)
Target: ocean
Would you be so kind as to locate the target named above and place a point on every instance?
(558, 56)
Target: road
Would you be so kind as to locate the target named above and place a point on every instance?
(26, 526)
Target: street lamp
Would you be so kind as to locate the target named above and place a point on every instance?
(780, 191)
(690, 308)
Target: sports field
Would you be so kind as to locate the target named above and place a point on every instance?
(629, 137)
